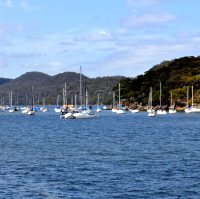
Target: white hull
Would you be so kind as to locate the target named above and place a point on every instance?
(151, 113)
(57, 110)
(84, 115)
(25, 111)
(69, 116)
(196, 110)
(105, 108)
(114, 110)
(135, 111)
(161, 112)
(11, 111)
(31, 113)
(188, 110)
(98, 110)
(120, 111)
(172, 111)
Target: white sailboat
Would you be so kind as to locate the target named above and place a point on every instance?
(188, 109)
(171, 108)
(43, 108)
(11, 110)
(151, 111)
(194, 109)
(83, 114)
(134, 111)
(120, 110)
(161, 111)
(66, 112)
(57, 108)
(114, 109)
(31, 111)
(98, 108)
(25, 108)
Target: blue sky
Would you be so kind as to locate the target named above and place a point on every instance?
(105, 37)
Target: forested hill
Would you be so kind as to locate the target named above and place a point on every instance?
(175, 76)
(48, 87)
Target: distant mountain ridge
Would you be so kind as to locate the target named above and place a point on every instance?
(4, 80)
(48, 87)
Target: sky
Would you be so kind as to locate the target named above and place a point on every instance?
(105, 37)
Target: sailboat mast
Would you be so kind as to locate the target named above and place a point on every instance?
(192, 96)
(171, 99)
(81, 100)
(32, 100)
(98, 100)
(57, 100)
(160, 95)
(150, 98)
(187, 95)
(119, 94)
(86, 98)
(43, 102)
(75, 101)
(11, 98)
(113, 99)
(65, 93)
(63, 97)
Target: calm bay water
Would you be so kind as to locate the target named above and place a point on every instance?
(112, 156)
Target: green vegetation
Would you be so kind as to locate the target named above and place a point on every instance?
(175, 76)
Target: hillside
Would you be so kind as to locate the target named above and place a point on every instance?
(4, 80)
(175, 76)
(48, 87)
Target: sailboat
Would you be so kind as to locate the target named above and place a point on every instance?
(171, 108)
(31, 111)
(161, 111)
(43, 108)
(83, 114)
(57, 108)
(134, 111)
(114, 109)
(11, 110)
(194, 109)
(98, 108)
(188, 109)
(2, 106)
(66, 112)
(120, 110)
(151, 112)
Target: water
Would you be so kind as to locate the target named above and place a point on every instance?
(112, 156)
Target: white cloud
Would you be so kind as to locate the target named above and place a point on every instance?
(23, 5)
(55, 66)
(50, 68)
(8, 3)
(22, 54)
(97, 35)
(26, 6)
(139, 55)
(149, 19)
